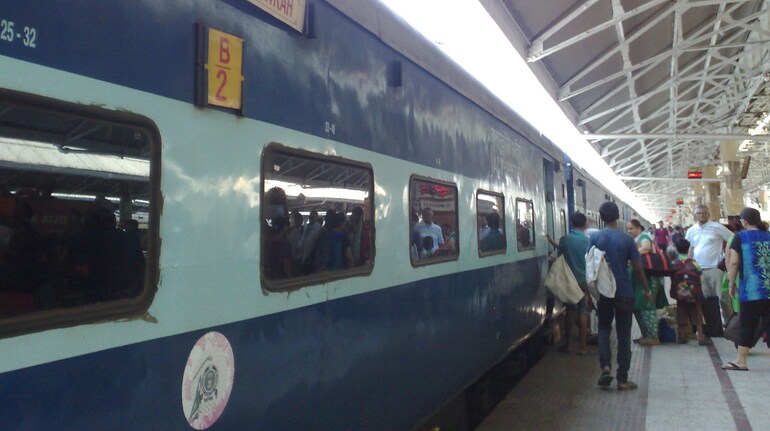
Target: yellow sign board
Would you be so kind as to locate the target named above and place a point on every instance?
(291, 12)
(225, 70)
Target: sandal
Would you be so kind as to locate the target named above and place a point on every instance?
(732, 366)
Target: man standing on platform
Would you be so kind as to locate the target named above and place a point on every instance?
(573, 247)
(619, 249)
(427, 228)
(705, 247)
(662, 236)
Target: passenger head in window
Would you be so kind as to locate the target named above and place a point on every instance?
(427, 247)
(296, 220)
(427, 228)
(277, 204)
(427, 216)
(330, 219)
(132, 225)
(494, 239)
(356, 215)
(313, 217)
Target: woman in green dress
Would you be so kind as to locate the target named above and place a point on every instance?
(646, 313)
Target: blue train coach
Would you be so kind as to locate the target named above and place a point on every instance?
(256, 214)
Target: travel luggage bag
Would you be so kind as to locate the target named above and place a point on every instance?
(713, 317)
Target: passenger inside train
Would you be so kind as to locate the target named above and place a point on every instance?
(338, 234)
(74, 216)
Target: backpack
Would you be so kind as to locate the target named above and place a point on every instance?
(686, 281)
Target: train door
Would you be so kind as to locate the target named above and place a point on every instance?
(549, 200)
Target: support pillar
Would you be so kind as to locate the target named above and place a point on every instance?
(712, 193)
(732, 198)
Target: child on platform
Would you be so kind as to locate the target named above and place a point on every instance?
(686, 290)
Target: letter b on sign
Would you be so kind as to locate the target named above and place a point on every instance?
(224, 51)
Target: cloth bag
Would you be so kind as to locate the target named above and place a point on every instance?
(732, 330)
(562, 283)
(598, 275)
(656, 263)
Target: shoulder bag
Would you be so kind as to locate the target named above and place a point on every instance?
(656, 264)
(562, 283)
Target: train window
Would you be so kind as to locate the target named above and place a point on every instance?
(525, 224)
(78, 213)
(433, 207)
(316, 218)
(490, 215)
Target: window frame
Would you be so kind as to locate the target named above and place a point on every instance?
(501, 198)
(119, 308)
(534, 237)
(320, 277)
(410, 206)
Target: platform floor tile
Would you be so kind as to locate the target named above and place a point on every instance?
(681, 387)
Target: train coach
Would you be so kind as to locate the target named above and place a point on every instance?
(165, 167)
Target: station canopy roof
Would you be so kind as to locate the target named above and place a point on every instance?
(655, 84)
(75, 154)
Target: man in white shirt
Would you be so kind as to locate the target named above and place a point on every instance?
(427, 228)
(590, 228)
(705, 247)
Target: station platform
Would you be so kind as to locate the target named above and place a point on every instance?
(681, 387)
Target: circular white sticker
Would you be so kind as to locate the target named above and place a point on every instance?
(207, 381)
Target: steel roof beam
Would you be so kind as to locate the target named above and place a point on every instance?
(704, 180)
(536, 52)
(693, 39)
(662, 86)
(673, 136)
(565, 92)
(617, 11)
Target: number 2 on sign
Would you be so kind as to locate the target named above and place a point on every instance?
(222, 76)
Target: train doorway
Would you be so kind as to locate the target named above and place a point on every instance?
(549, 201)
